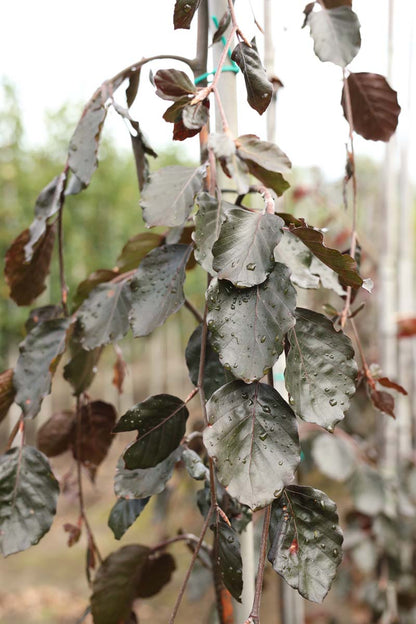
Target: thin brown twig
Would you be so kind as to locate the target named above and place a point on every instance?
(346, 310)
(64, 287)
(184, 537)
(193, 311)
(82, 511)
(254, 617)
(18, 427)
(191, 565)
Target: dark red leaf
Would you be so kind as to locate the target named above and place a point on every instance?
(119, 370)
(375, 110)
(382, 401)
(181, 132)
(406, 327)
(27, 280)
(74, 533)
(333, 4)
(173, 84)
(131, 90)
(343, 264)
(7, 392)
(157, 573)
(184, 12)
(94, 439)
(86, 286)
(387, 383)
(56, 434)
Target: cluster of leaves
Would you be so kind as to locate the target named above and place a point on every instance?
(256, 258)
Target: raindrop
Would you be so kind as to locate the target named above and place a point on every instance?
(323, 546)
(230, 539)
(281, 462)
(263, 436)
(333, 402)
(335, 552)
(263, 339)
(251, 266)
(266, 409)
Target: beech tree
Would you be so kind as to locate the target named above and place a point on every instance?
(256, 258)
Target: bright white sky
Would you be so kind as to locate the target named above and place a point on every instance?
(55, 52)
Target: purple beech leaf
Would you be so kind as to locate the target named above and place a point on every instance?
(83, 147)
(7, 392)
(306, 540)
(336, 34)
(375, 109)
(252, 437)
(39, 355)
(161, 422)
(140, 483)
(41, 314)
(136, 248)
(320, 370)
(168, 197)
(100, 276)
(265, 161)
(173, 84)
(343, 264)
(222, 26)
(95, 437)
(184, 13)
(124, 513)
(157, 572)
(334, 456)
(248, 325)
(208, 219)
(55, 435)
(26, 280)
(47, 205)
(230, 561)
(115, 585)
(104, 315)
(28, 498)
(258, 86)
(292, 252)
(214, 373)
(243, 252)
(157, 288)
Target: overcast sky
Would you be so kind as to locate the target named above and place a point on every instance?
(55, 52)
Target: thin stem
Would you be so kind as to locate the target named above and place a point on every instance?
(18, 427)
(234, 22)
(360, 348)
(185, 537)
(254, 617)
(191, 565)
(221, 111)
(64, 287)
(353, 245)
(193, 311)
(82, 511)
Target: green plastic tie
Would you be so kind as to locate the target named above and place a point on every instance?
(228, 68)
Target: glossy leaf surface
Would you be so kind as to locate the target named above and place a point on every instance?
(161, 422)
(336, 34)
(343, 264)
(38, 358)
(258, 86)
(184, 12)
(82, 367)
(157, 288)
(230, 562)
(168, 197)
(263, 153)
(173, 84)
(214, 372)
(115, 585)
(374, 106)
(142, 483)
(243, 252)
(124, 513)
(83, 147)
(297, 257)
(321, 370)
(306, 540)
(28, 497)
(103, 316)
(248, 326)
(208, 222)
(252, 437)
(47, 204)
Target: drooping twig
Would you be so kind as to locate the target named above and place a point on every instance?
(254, 617)
(82, 511)
(64, 287)
(191, 565)
(193, 311)
(353, 245)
